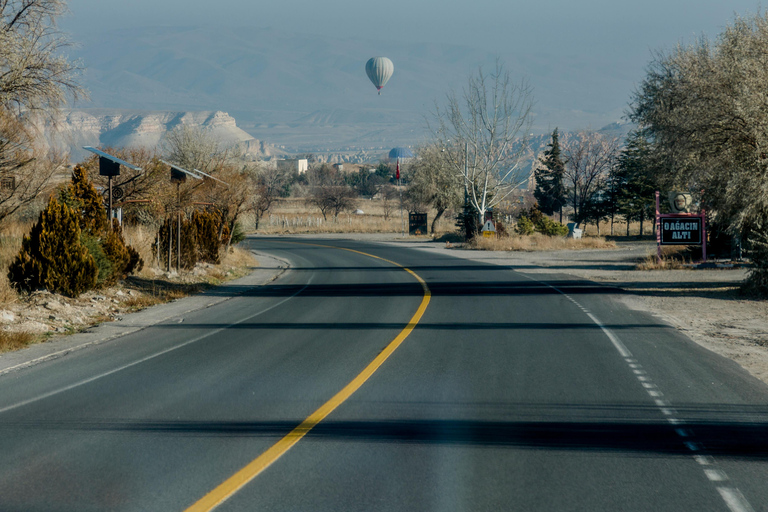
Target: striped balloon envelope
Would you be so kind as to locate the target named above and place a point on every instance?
(379, 70)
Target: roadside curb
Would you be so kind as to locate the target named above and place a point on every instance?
(270, 268)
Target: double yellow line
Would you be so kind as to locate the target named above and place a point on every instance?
(234, 483)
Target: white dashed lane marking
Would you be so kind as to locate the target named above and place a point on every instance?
(732, 496)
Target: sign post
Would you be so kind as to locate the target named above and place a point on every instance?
(680, 229)
(417, 223)
(489, 229)
(109, 166)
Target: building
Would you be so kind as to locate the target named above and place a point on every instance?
(297, 165)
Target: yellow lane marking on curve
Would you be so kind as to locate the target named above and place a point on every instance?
(234, 483)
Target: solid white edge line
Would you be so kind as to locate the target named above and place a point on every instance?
(616, 341)
(147, 358)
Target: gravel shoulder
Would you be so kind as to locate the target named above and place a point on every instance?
(117, 323)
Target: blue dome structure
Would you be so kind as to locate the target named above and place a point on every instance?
(402, 153)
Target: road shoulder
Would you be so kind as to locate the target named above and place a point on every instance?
(269, 269)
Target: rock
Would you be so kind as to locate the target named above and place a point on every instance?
(53, 305)
(6, 317)
(118, 292)
(31, 326)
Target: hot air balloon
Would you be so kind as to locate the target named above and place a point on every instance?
(379, 69)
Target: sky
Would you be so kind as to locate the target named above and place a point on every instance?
(614, 28)
(613, 38)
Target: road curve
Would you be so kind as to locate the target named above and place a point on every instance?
(509, 393)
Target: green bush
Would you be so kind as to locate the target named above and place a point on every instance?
(103, 262)
(533, 220)
(52, 256)
(238, 235)
(525, 226)
(550, 227)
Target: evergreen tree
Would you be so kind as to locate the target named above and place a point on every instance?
(82, 197)
(635, 180)
(550, 190)
(52, 256)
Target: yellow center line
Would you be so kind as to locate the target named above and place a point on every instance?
(234, 483)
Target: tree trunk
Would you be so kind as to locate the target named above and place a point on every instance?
(612, 220)
(434, 221)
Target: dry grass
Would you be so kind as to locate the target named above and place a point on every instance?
(10, 244)
(293, 216)
(10, 341)
(538, 242)
(672, 258)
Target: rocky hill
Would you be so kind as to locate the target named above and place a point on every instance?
(125, 128)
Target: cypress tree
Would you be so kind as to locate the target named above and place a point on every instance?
(52, 257)
(82, 196)
(550, 190)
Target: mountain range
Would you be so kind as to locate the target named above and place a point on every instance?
(307, 92)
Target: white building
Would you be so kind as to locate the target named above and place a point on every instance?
(298, 165)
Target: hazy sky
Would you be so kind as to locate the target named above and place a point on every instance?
(607, 42)
(613, 28)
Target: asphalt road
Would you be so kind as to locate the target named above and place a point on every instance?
(508, 393)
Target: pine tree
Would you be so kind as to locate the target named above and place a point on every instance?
(635, 181)
(52, 256)
(550, 190)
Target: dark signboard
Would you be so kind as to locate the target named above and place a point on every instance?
(417, 224)
(681, 231)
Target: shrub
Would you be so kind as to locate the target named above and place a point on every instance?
(123, 258)
(168, 234)
(189, 249)
(533, 220)
(113, 257)
(103, 263)
(550, 227)
(238, 235)
(525, 226)
(206, 228)
(52, 256)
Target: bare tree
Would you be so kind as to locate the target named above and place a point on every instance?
(482, 135)
(328, 191)
(388, 196)
(26, 170)
(34, 75)
(194, 147)
(270, 185)
(589, 157)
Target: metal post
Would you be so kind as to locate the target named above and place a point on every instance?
(170, 243)
(109, 213)
(178, 228)
(658, 228)
(703, 236)
(402, 220)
